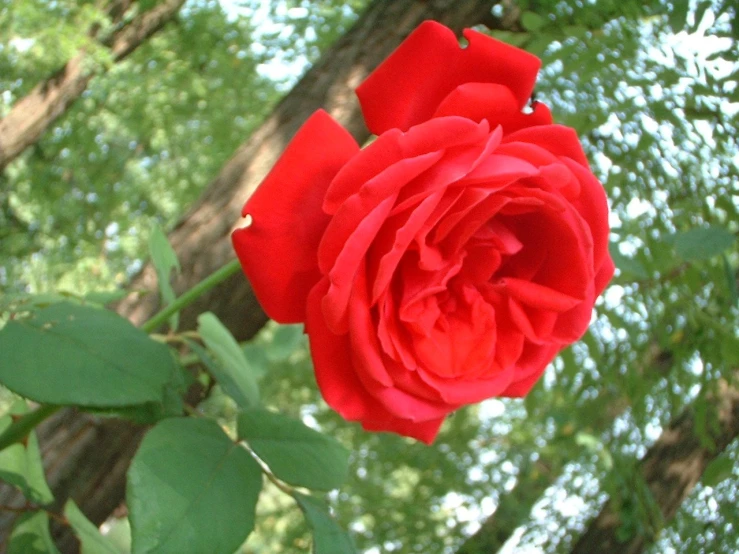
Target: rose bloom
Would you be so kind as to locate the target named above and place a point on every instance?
(451, 259)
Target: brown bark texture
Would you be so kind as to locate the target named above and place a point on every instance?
(86, 457)
(35, 112)
(670, 469)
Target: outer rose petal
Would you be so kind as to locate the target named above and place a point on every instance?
(604, 275)
(530, 368)
(557, 139)
(407, 88)
(288, 221)
(593, 206)
(339, 384)
(425, 431)
(495, 103)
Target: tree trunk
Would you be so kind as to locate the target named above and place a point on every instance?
(34, 113)
(86, 457)
(533, 482)
(671, 468)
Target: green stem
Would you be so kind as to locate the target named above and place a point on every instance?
(191, 295)
(20, 428)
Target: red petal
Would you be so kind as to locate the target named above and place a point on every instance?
(278, 250)
(436, 137)
(494, 103)
(401, 239)
(425, 431)
(348, 262)
(339, 384)
(332, 361)
(593, 207)
(557, 139)
(408, 87)
(539, 296)
(604, 274)
(464, 391)
(530, 368)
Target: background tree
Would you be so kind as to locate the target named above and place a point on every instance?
(652, 89)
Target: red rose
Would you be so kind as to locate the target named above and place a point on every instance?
(448, 261)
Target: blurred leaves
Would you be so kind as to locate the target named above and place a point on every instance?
(31, 535)
(703, 244)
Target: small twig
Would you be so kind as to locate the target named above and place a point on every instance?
(284, 487)
(33, 508)
(191, 295)
(675, 272)
(24, 424)
(192, 411)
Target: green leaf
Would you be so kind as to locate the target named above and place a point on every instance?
(92, 542)
(514, 39)
(224, 378)
(328, 537)
(628, 266)
(31, 535)
(731, 279)
(285, 340)
(80, 355)
(679, 14)
(171, 403)
(699, 13)
(21, 466)
(294, 452)
(257, 357)
(38, 488)
(702, 244)
(105, 297)
(532, 21)
(589, 441)
(717, 471)
(165, 261)
(236, 377)
(191, 489)
(22, 302)
(143, 414)
(730, 350)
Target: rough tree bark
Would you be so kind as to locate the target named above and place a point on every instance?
(35, 112)
(536, 479)
(87, 457)
(671, 468)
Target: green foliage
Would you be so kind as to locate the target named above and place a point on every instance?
(165, 261)
(31, 535)
(138, 148)
(191, 489)
(20, 464)
(328, 537)
(294, 452)
(232, 369)
(703, 244)
(71, 354)
(717, 471)
(92, 542)
(532, 21)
